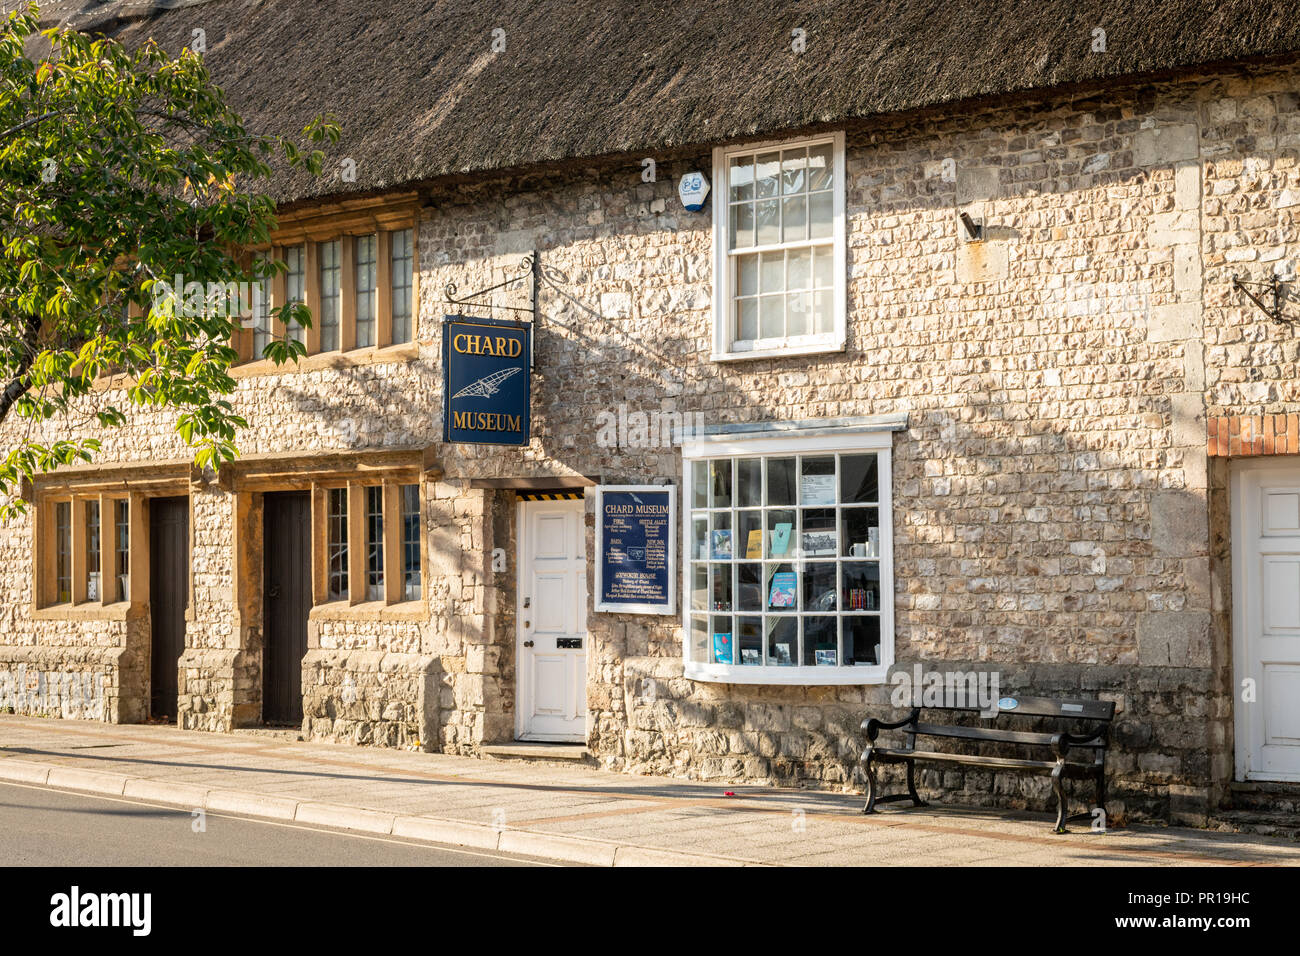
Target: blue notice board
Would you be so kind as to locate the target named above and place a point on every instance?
(486, 385)
(636, 553)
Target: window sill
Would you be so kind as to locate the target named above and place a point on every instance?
(370, 611)
(819, 347)
(786, 676)
(372, 355)
(119, 611)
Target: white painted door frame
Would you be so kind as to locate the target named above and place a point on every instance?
(571, 663)
(1254, 723)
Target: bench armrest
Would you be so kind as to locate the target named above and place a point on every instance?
(1097, 733)
(873, 727)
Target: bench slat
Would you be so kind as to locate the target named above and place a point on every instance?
(990, 734)
(1008, 763)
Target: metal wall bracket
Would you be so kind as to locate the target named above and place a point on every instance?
(529, 270)
(1273, 288)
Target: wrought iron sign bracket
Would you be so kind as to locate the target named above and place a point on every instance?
(1273, 288)
(529, 270)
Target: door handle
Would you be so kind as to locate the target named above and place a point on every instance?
(528, 643)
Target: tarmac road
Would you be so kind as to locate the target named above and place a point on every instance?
(41, 827)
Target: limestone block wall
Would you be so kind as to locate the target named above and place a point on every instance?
(1056, 516)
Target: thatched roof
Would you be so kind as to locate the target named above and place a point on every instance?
(420, 94)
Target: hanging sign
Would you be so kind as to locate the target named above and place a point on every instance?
(635, 548)
(486, 386)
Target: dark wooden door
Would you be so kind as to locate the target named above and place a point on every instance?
(286, 601)
(169, 586)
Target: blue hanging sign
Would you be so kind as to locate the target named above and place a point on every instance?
(486, 386)
(636, 550)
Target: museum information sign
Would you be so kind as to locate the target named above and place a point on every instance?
(485, 381)
(636, 555)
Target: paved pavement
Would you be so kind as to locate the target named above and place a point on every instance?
(42, 827)
(573, 813)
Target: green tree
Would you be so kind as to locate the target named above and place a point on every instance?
(119, 170)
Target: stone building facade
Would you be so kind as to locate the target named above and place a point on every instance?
(1069, 404)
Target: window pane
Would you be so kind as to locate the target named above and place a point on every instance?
(749, 482)
(700, 638)
(798, 269)
(92, 551)
(741, 178)
(365, 269)
(771, 317)
(337, 548)
(403, 263)
(862, 639)
(720, 483)
(861, 532)
(746, 319)
(330, 294)
(768, 175)
(700, 484)
(780, 481)
(823, 310)
(819, 538)
(859, 479)
(780, 538)
(742, 225)
(821, 166)
(817, 481)
(749, 586)
(798, 317)
(823, 266)
(820, 641)
(861, 586)
(771, 272)
(722, 644)
(295, 284)
(794, 219)
(410, 495)
(749, 533)
(374, 543)
(819, 590)
(746, 275)
(794, 164)
(261, 311)
(122, 549)
(63, 552)
(700, 587)
(749, 641)
(782, 641)
(821, 214)
(768, 212)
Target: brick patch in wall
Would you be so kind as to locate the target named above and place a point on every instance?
(1235, 435)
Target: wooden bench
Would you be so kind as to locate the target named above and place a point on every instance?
(1038, 751)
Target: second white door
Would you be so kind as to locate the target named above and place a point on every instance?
(552, 622)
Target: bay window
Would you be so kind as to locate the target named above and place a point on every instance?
(788, 571)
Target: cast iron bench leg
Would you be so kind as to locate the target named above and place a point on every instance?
(911, 785)
(871, 784)
(1060, 798)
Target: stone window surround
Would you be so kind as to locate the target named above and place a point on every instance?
(864, 434)
(345, 221)
(723, 350)
(78, 491)
(255, 475)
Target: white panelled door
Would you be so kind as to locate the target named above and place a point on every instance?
(552, 622)
(1266, 589)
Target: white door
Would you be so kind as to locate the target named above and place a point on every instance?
(552, 622)
(1266, 619)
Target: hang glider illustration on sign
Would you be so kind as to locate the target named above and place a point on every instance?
(487, 385)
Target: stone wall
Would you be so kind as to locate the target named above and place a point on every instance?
(1054, 512)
